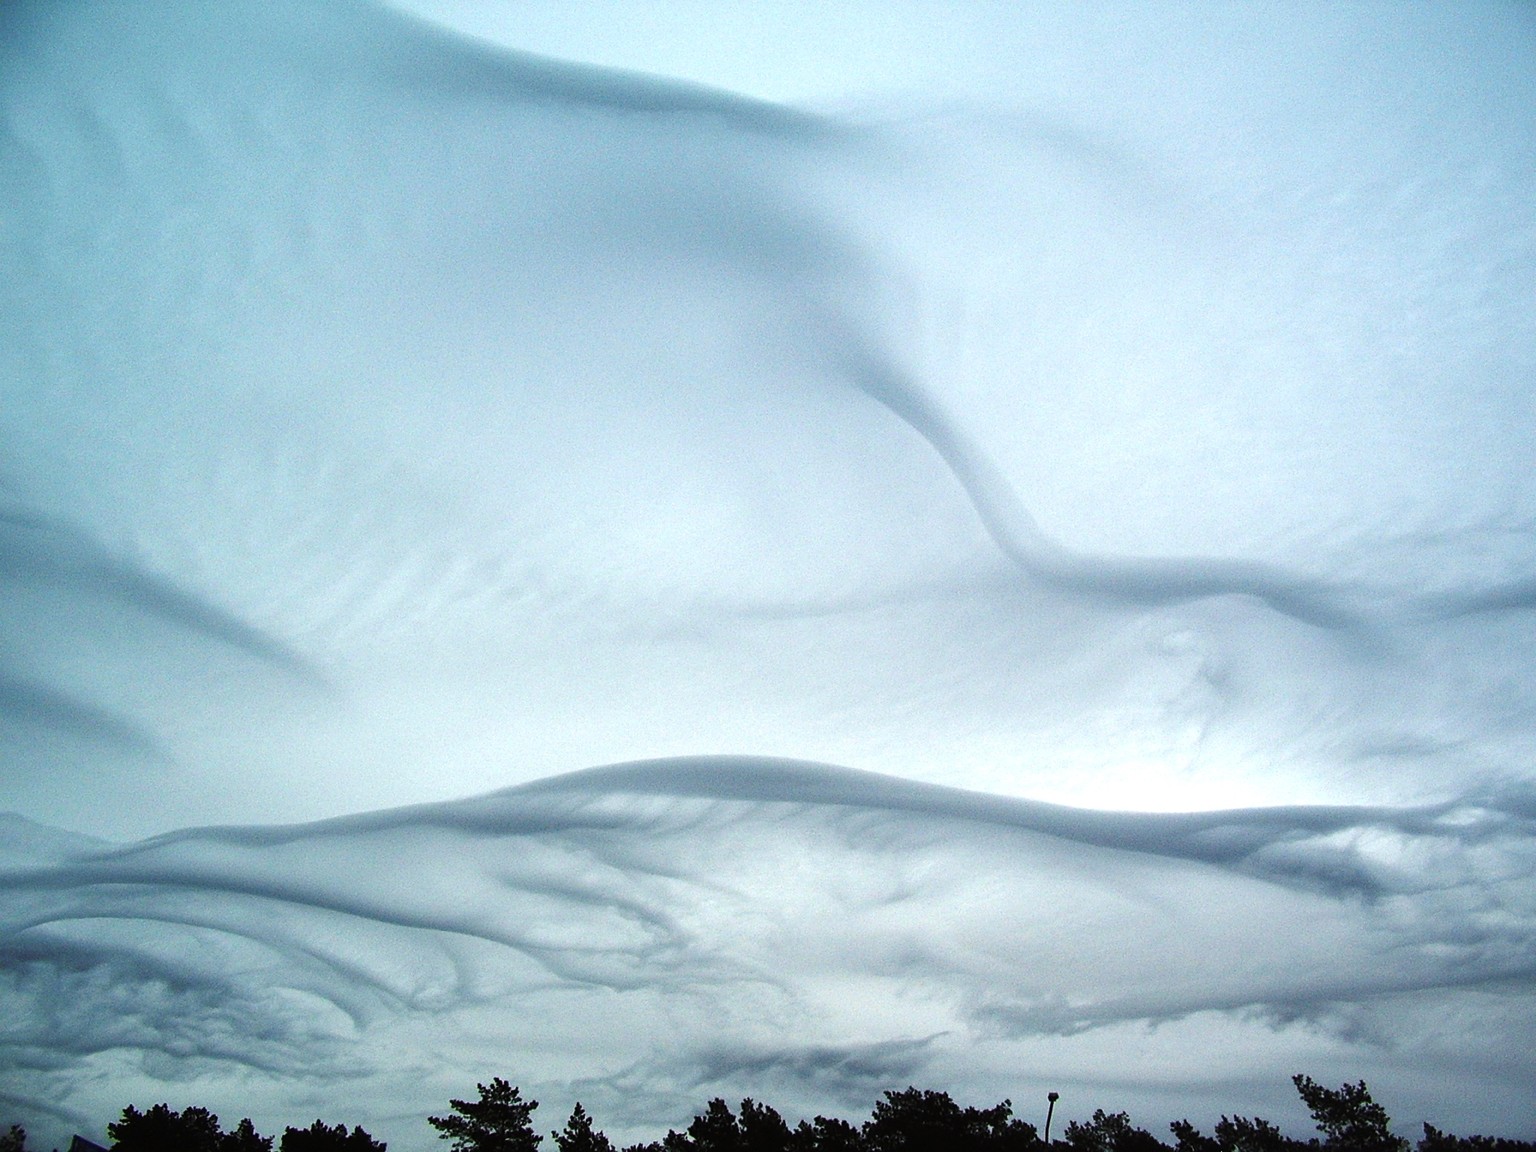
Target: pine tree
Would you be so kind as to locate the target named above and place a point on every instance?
(245, 1138)
(500, 1121)
(1349, 1119)
(578, 1135)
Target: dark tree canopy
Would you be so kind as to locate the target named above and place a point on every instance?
(1188, 1138)
(578, 1134)
(715, 1129)
(762, 1128)
(828, 1134)
(1437, 1141)
(1109, 1132)
(500, 1121)
(1236, 1134)
(1240, 1134)
(916, 1120)
(910, 1120)
(163, 1129)
(245, 1138)
(320, 1137)
(1348, 1118)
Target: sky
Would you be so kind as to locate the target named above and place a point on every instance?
(684, 550)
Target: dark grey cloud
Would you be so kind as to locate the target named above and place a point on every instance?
(34, 549)
(1150, 581)
(1235, 839)
(39, 705)
(40, 557)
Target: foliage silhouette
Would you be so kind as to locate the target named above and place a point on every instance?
(163, 1129)
(714, 1130)
(1188, 1138)
(245, 1138)
(1236, 1134)
(500, 1121)
(762, 1128)
(924, 1121)
(910, 1120)
(1348, 1118)
(1240, 1134)
(14, 1139)
(319, 1137)
(828, 1134)
(578, 1136)
(1110, 1132)
(1437, 1141)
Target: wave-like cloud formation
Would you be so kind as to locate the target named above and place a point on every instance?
(1139, 421)
(387, 403)
(644, 933)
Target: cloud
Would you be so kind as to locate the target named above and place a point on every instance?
(447, 398)
(1115, 450)
(36, 550)
(666, 928)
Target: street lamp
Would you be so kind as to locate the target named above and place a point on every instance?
(1050, 1107)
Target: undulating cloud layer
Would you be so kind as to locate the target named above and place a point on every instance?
(1111, 446)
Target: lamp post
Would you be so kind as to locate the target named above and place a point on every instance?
(1050, 1108)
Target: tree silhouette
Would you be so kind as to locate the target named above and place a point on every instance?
(996, 1130)
(1236, 1134)
(1110, 1132)
(1240, 1134)
(14, 1140)
(911, 1120)
(923, 1121)
(715, 1129)
(1348, 1118)
(578, 1136)
(762, 1128)
(1437, 1141)
(1188, 1138)
(162, 1127)
(245, 1138)
(500, 1121)
(319, 1137)
(827, 1134)
(190, 1130)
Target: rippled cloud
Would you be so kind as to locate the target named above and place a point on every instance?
(644, 933)
(1111, 447)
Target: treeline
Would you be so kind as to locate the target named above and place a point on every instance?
(913, 1120)
(162, 1129)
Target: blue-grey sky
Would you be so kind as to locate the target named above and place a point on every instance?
(1036, 502)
